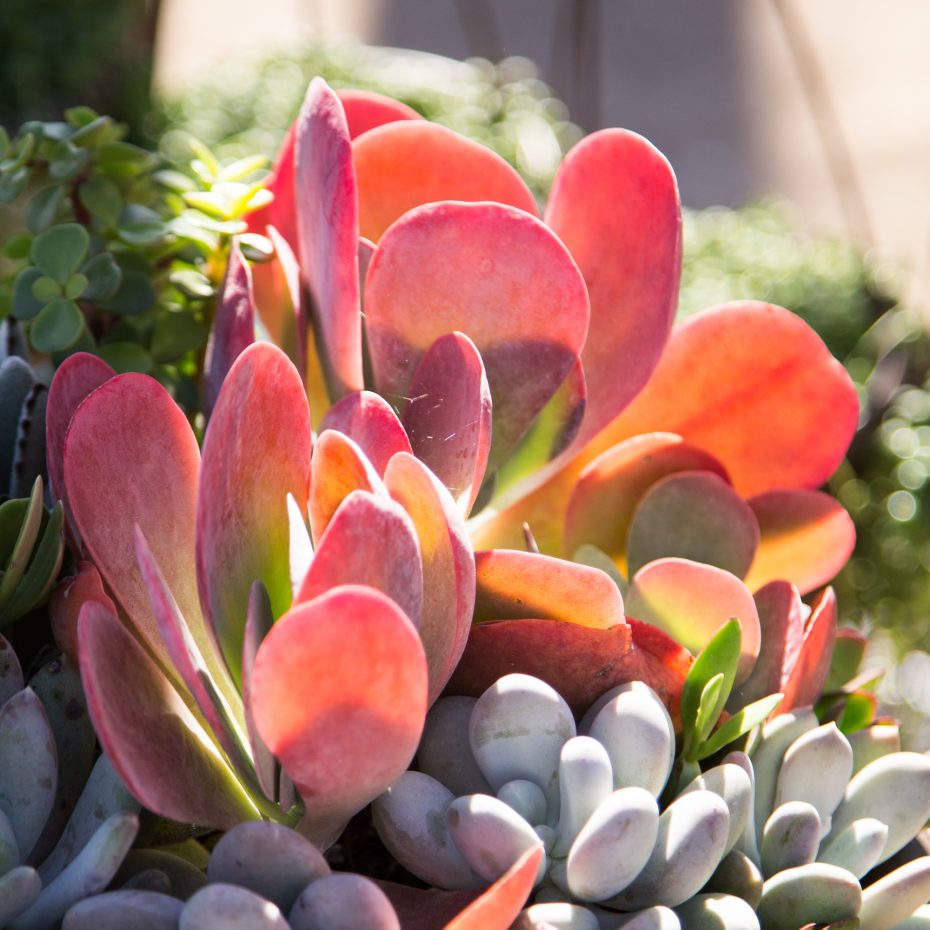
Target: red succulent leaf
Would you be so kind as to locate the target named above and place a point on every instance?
(448, 416)
(492, 272)
(66, 602)
(369, 541)
(403, 165)
(807, 537)
(580, 662)
(156, 745)
(615, 204)
(804, 684)
(370, 421)
(511, 584)
(366, 110)
(280, 213)
(256, 452)
(339, 696)
(327, 222)
(448, 564)
(233, 328)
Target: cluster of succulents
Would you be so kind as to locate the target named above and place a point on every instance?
(451, 482)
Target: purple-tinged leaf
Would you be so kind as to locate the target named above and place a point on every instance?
(11, 674)
(448, 416)
(369, 420)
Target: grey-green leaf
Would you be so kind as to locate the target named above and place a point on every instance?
(102, 198)
(135, 294)
(25, 304)
(57, 326)
(59, 251)
(43, 207)
(103, 277)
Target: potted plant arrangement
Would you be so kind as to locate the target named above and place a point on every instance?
(383, 518)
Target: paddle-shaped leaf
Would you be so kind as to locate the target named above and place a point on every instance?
(66, 602)
(256, 452)
(448, 416)
(492, 272)
(403, 165)
(366, 110)
(614, 203)
(369, 420)
(804, 683)
(334, 678)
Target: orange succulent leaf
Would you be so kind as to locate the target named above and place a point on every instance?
(804, 683)
(369, 420)
(366, 110)
(406, 164)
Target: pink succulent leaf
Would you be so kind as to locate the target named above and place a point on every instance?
(280, 213)
(233, 326)
(805, 681)
(608, 491)
(693, 515)
(258, 623)
(370, 421)
(157, 747)
(580, 662)
(781, 620)
(807, 537)
(366, 251)
(492, 272)
(448, 416)
(339, 696)
(511, 584)
(256, 451)
(189, 663)
(369, 541)
(447, 560)
(691, 601)
(615, 204)
(406, 164)
(66, 602)
(366, 110)
(338, 468)
(300, 548)
(77, 376)
(328, 231)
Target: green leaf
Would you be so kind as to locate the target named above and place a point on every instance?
(25, 540)
(28, 140)
(709, 708)
(98, 132)
(192, 283)
(226, 228)
(46, 289)
(858, 712)
(739, 724)
(174, 180)
(42, 209)
(12, 514)
(256, 248)
(57, 326)
(12, 184)
(121, 159)
(102, 198)
(126, 356)
(35, 586)
(848, 651)
(205, 161)
(135, 294)
(175, 334)
(67, 161)
(80, 116)
(25, 305)
(59, 251)
(103, 277)
(5, 146)
(242, 168)
(76, 286)
(17, 247)
(139, 225)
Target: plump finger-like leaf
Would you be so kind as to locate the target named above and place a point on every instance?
(511, 584)
(256, 452)
(807, 537)
(369, 541)
(579, 662)
(159, 750)
(448, 564)
(328, 230)
(514, 291)
(66, 603)
(448, 416)
(693, 515)
(338, 468)
(691, 601)
(804, 683)
(403, 165)
(369, 420)
(335, 677)
(366, 110)
(233, 326)
(614, 203)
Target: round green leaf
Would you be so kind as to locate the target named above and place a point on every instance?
(139, 225)
(135, 294)
(25, 305)
(12, 184)
(67, 161)
(46, 289)
(17, 247)
(102, 199)
(75, 286)
(58, 324)
(80, 116)
(43, 207)
(103, 277)
(59, 251)
(126, 356)
(121, 159)
(175, 334)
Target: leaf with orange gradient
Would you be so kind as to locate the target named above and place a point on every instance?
(369, 420)
(338, 468)
(327, 229)
(448, 564)
(693, 515)
(256, 451)
(511, 584)
(614, 203)
(805, 682)
(403, 165)
(339, 696)
(608, 491)
(691, 601)
(280, 213)
(159, 750)
(66, 602)
(369, 541)
(807, 537)
(233, 328)
(580, 662)
(448, 416)
(494, 273)
(366, 110)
